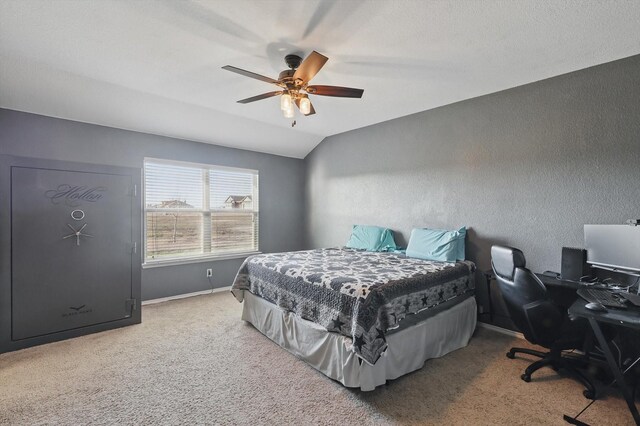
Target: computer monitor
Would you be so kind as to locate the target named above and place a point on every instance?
(615, 247)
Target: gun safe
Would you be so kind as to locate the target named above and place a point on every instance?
(70, 238)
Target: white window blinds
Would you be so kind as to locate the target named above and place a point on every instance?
(234, 210)
(168, 186)
(195, 210)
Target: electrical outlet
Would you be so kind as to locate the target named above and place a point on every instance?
(209, 273)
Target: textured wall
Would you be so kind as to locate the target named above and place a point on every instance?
(525, 167)
(281, 183)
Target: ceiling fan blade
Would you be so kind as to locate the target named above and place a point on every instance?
(259, 97)
(250, 74)
(310, 66)
(313, 111)
(343, 92)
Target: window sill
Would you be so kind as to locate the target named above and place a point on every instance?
(186, 261)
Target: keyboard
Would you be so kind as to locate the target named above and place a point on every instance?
(604, 297)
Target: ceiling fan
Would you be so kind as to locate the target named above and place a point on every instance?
(294, 83)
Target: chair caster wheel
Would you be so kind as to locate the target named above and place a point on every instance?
(526, 378)
(511, 355)
(589, 394)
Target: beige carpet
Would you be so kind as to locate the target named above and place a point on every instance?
(193, 361)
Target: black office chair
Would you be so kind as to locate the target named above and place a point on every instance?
(540, 320)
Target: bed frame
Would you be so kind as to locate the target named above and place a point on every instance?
(331, 354)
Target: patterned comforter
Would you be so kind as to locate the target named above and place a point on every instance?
(359, 294)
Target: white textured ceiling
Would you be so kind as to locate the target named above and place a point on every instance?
(154, 66)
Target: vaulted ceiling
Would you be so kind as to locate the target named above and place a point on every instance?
(155, 66)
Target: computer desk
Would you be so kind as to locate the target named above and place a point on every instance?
(629, 318)
(557, 282)
(564, 293)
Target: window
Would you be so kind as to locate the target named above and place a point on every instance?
(197, 211)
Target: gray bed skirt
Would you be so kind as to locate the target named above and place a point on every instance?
(331, 354)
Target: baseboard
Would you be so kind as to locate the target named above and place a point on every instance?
(183, 296)
(501, 330)
(228, 288)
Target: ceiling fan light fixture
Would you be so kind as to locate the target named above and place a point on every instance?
(305, 105)
(285, 102)
(289, 113)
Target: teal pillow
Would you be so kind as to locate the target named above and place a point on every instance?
(371, 238)
(437, 244)
(461, 243)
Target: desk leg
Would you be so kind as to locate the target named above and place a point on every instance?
(615, 370)
(488, 277)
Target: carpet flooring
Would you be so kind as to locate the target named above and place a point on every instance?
(193, 361)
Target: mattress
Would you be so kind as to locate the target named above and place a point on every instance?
(361, 295)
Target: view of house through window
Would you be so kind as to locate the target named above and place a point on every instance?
(197, 210)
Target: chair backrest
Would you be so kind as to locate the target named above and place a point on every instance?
(525, 296)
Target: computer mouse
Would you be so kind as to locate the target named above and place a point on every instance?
(595, 306)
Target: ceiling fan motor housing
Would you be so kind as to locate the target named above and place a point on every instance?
(293, 61)
(286, 75)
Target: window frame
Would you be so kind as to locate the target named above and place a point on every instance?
(206, 211)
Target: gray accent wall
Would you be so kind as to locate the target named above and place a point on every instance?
(525, 167)
(281, 184)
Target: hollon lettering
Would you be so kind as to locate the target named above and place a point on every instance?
(74, 195)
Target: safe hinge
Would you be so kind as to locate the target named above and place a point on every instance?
(131, 304)
(134, 248)
(134, 190)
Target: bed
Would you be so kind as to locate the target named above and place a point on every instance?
(359, 317)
